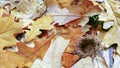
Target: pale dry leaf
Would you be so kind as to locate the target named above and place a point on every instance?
(109, 37)
(8, 29)
(43, 23)
(37, 64)
(61, 16)
(52, 58)
(118, 41)
(32, 9)
(13, 3)
(115, 5)
(84, 63)
(116, 63)
(100, 62)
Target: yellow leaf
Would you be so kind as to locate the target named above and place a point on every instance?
(43, 23)
(8, 28)
(12, 60)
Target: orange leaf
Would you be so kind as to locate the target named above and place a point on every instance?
(79, 6)
(69, 59)
(49, 2)
(39, 50)
(72, 33)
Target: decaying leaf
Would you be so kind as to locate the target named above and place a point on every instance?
(8, 28)
(43, 23)
(12, 60)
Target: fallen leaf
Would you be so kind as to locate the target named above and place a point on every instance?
(61, 16)
(43, 23)
(39, 50)
(53, 56)
(99, 62)
(118, 41)
(32, 9)
(37, 64)
(12, 60)
(116, 61)
(109, 37)
(79, 6)
(8, 29)
(84, 63)
(68, 59)
(49, 2)
(72, 33)
(80, 21)
(115, 5)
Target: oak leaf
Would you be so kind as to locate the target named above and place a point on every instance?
(8, 28)
(12, 60)
(43, 23)
(80, 7)
(39, 50)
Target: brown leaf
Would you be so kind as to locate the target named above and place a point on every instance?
(69, 59)
(73, 23)
(39, 50)
(72, 33)
(49, 2)
(79, 6)
(69, 32)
